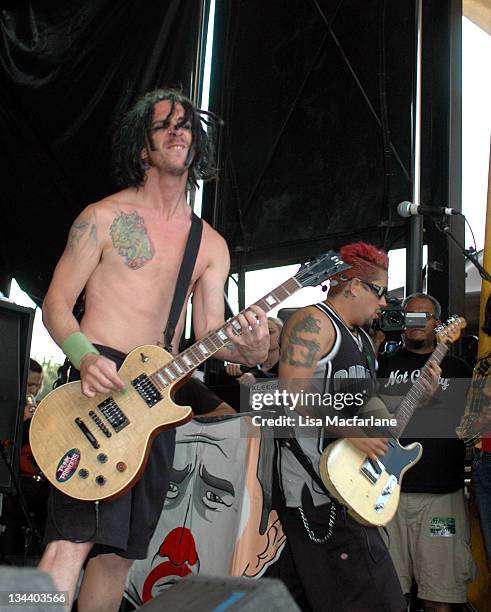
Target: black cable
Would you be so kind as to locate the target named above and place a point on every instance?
(22, 500)
(384, 115)
(472, 233)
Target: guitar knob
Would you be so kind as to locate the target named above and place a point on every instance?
(100, 480)
(83, 473)
(121, 466)
(102, 458)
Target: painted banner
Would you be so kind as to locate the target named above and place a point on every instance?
(217, 518)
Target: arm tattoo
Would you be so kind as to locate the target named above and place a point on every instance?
(129, 236)
(300, 352)
(309, 324)
(80, 229)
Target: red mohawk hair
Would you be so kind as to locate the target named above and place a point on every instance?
(367, 262)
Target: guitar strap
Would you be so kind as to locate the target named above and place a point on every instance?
(368, 353)
(183, 279)
(292, 444)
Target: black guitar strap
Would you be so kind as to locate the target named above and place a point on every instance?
(368, 353)
(292, 444)
(183, 279)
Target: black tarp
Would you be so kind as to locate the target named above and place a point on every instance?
(68, 70)
(317, 103)
(316, 95)
(317, 100)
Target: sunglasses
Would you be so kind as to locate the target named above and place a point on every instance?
(379, 291)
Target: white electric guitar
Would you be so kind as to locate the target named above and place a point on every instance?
(371, 489)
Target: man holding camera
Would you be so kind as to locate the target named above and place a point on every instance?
(429, 536)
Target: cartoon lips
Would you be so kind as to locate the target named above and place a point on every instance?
(180, 549)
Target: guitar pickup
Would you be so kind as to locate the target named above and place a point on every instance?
(371, 470)
(113, 413)
(147, 390)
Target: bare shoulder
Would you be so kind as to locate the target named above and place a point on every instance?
(307, 335)
(309, 320)
(108, 206)
(215, 245)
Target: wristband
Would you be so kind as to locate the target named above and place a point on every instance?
(76, 346)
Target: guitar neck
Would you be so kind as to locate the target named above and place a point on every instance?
(200, 351)
(415, 394)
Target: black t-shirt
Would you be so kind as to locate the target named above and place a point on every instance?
(441, 467)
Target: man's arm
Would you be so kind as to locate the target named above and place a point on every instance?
(251, 346)
(305, 339)
(79, 260)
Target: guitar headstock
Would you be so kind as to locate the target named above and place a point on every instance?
(320, 269)
(450, 331)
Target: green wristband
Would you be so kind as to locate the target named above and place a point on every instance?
(76, 346)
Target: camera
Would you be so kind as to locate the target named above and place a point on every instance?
(394, 320)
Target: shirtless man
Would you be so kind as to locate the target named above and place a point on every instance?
(126, 251)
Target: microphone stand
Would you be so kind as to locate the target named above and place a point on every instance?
(469, 254)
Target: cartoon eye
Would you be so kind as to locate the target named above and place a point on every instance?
(173, 491)
(215, 502)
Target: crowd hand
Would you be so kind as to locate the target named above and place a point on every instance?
(374, 448)
(247, 379)
(29, 408)
(98, 375)
(233, 369)
(378, 338)
(430, 379)
(253, 339)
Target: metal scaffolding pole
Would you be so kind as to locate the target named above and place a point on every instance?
(414, 252)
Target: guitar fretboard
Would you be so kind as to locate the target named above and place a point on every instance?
(414, 396)
(200, 351)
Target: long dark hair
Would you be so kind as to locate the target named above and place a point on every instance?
(133, 132)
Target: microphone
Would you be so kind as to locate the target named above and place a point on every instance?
(408, 209)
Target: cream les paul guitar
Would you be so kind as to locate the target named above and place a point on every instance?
(371, 489)
(95, 449)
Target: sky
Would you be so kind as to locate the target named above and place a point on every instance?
(476, 128)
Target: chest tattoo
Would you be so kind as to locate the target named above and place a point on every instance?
(129, 236)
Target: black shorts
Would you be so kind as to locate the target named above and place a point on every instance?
(351, 572)
(126, 524)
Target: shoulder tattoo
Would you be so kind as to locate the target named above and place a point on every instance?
(83, 231)
(298, 350)
(129, 236)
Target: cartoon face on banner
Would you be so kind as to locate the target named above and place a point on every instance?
(215, 518)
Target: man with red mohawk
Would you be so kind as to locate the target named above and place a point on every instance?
(330, 562)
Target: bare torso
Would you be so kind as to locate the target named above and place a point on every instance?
(129, 293)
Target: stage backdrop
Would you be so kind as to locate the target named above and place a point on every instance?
(68, 70)
(316, 151)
